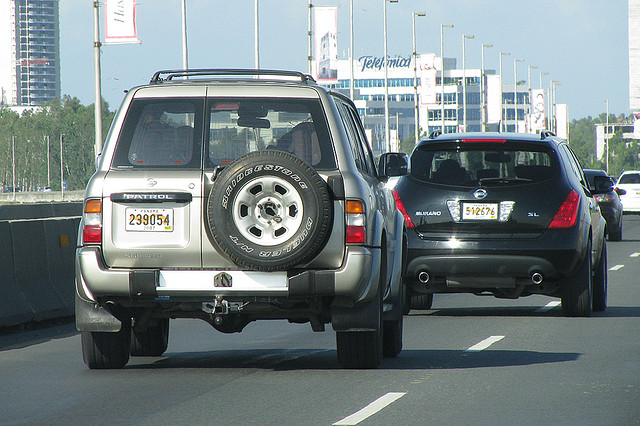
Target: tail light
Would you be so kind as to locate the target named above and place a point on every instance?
(92, 221)
(356, 222)
(604, 198)
(567, 213)
(400, 206)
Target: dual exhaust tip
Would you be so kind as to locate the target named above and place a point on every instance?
(424, 277)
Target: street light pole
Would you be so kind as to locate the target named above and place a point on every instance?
(185, 62)
(387, 139)
(257, 36)
(464, 84)
(502, 114)
(309, 39)
(97, 82)
(606, 138)
(483, 90)
(528, 116)
(442, 27)
(515, 93)
(415, 78)
(351, 49)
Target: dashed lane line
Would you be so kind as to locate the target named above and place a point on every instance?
(634, 255)
(371, 409)
(484, 344)
(616, 267)
(549, 306)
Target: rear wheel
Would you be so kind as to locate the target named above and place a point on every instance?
(103, 350)
(576, 294)
(600, 282)
(392, 330)
(616, 234)
(152, 340)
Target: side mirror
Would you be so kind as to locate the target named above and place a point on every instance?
(602, 184)
(393, 164)
(620, 191)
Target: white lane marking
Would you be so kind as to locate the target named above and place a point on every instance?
(615, 268)
(634, 255)
(371, 409)
(485, 343)
(549, 306)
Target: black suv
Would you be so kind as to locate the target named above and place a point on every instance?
(507, 214)
(610, 205)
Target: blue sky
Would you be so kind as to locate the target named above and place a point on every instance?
(581, 43)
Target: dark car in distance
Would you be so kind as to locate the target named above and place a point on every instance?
(610, 205)
(505, 214)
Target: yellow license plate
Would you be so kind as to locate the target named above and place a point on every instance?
(149, 220)
(479, 211)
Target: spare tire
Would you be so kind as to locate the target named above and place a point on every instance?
(269, 211)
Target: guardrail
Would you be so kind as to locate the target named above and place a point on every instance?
(37, 249)
(41, 197)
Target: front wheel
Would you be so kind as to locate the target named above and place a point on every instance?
(600, 282)
(576, 294)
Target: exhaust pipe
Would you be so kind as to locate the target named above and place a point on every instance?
(536, 278)
(423, 277)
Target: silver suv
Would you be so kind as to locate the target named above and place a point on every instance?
(234, 196)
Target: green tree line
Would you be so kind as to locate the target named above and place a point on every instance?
(30, 144)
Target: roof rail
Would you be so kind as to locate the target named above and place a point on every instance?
(434, 134)
(171, 74)
(546, 133)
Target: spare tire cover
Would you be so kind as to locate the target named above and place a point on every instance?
(269, 211)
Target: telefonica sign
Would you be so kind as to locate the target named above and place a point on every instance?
(375, 63)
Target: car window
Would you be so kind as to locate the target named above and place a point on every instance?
(241, 125)
(160, 133)
(473, 167)
(354, 142)
(629, 178)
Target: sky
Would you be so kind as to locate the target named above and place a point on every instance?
(583, 44)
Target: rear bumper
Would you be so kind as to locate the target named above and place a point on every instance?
(94, 280)
(496, 262)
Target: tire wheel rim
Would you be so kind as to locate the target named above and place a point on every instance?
(268, 211)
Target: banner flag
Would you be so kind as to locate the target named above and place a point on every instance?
(120, 22)
(494, 99)
(325, 34)
(427, 74)
(538, 116)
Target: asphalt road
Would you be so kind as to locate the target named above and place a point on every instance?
(469, 360)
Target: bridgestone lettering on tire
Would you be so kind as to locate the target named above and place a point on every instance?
(269, 211)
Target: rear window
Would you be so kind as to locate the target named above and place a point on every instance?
(630, 178)
(461, 166)
(237, 126)
(161, 133)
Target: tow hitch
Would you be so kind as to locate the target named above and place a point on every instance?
(225, 315)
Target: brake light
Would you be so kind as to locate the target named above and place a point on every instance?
(400, 206)
(92, 222)
(355, 220)
(604, 198)
(567, 213)
(484, 140)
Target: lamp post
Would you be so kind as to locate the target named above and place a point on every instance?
(442, 27)
(464, 84)
(554, 124)
(515, 93)
(185, 62)
(310, 39)
(415, 77)
(350, 48)
(502, 116)
(528, 116)
(482, 90)
(387, 139)
(256, 36)
(606, 138)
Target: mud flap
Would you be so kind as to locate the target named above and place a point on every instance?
(93, 317)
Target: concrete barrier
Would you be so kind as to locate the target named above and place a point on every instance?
(37, 262)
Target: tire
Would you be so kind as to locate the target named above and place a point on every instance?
(392, 330)
(152, 341)
(269, 211)
(600, 282)
(103, 350)
(362, 349)
(617, 234)
(421, 301)
(576, 294)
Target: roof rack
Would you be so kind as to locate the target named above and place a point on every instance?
(546, 133)
(434, 134)
(171, 74)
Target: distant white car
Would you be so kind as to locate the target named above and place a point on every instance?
(630, 182)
